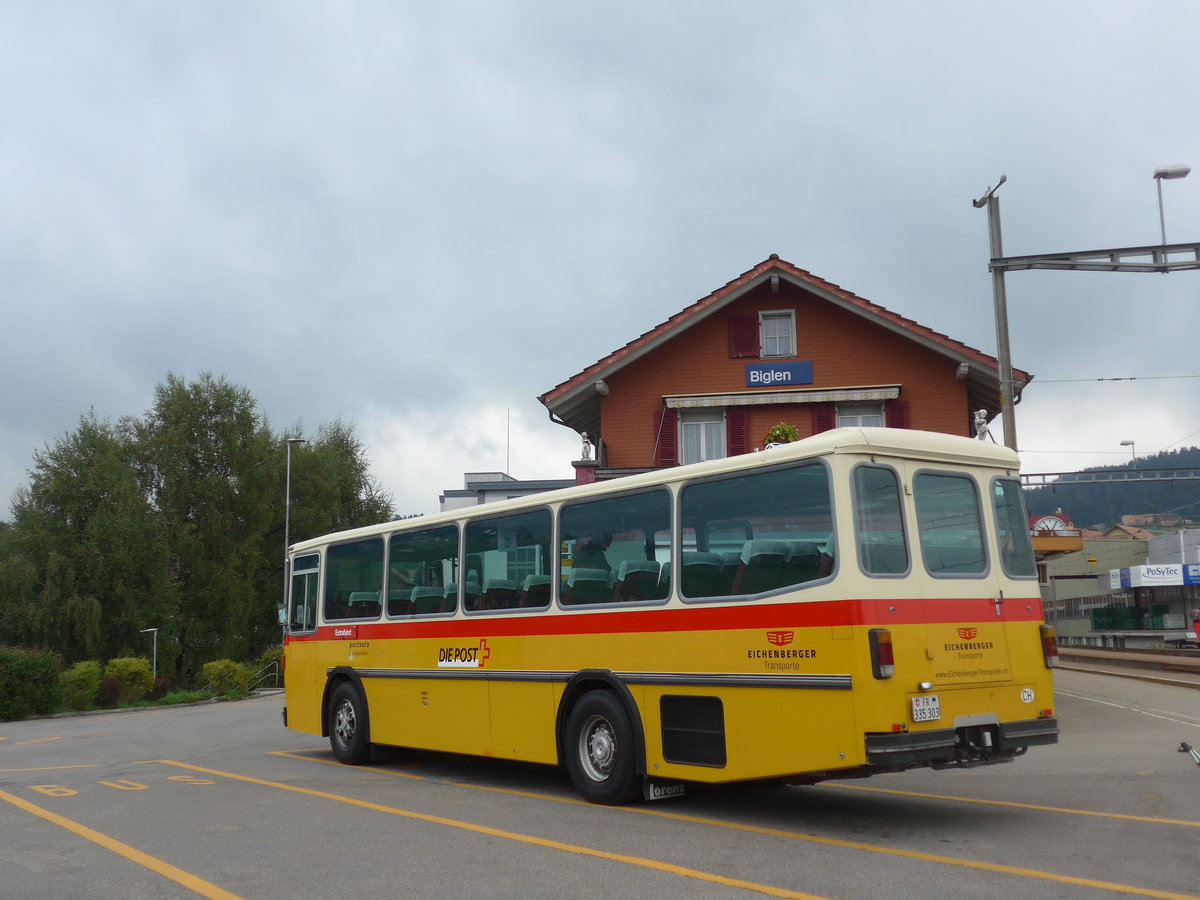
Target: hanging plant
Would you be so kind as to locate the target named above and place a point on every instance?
(781, 434)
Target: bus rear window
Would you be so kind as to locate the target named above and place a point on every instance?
(879, 522)
(950, 524)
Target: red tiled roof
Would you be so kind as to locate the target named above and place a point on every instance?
(705, 304)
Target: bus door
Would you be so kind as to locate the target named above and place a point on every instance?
(962, 581)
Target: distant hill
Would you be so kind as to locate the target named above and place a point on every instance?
(1099, 506)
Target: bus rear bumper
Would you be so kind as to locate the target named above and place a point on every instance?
(973, 745)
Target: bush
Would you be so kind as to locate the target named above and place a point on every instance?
(110, 691)
(162, 685)
(29, 682)
(224, 676)
(81, 684)
(134, 675)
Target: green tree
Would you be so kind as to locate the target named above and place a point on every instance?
(84, 564)
(174, 521)
(203, 448)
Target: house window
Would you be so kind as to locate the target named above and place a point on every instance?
(860, 415)
(701, 435)
(777, 333)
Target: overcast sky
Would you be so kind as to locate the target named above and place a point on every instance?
(417, 217)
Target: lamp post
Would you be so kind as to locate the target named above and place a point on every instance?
(1160, 175)
(1132, 451)
(287, 512)
(154, 633)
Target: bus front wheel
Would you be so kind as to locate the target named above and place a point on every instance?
(600, 749)
(348, 733)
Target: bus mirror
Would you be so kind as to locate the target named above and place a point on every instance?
(282, 614)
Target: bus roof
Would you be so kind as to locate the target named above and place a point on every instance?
(892, 442)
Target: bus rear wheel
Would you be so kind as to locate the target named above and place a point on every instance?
(600, 750)
(348, 731)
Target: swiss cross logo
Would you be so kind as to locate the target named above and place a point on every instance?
(780, 638)
(484, 652)
(967, 633)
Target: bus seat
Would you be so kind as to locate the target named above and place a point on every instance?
(803, 562)
(825, 568)
(399, 603)
(763, 566)
(700, 575)
(427, 599)
(730, 563)
(587, 586)
(363, 604)
(471, 596)
(637, 580)
(499, 593)
(535, 591)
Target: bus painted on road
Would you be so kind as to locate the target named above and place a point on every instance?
(858, 602)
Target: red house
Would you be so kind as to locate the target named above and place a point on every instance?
(776, 344)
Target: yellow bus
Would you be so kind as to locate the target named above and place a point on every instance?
(858, 602)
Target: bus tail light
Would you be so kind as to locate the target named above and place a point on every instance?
(1049, 646)
(883, 660)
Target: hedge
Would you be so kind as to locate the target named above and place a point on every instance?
(29, 682)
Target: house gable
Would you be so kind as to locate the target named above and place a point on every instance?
(851, 344)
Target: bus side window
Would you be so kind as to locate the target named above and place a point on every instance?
(353, 573)
(421, 567)
(508, 561)
(766, 530)
(612, 549)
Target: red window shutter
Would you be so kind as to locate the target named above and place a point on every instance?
(666, 437)
(824, 417)
(895, 414)
(737, 422)
(743, 336)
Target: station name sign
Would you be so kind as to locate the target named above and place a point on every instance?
(775, 374)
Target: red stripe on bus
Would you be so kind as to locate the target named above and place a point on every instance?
(696, 618)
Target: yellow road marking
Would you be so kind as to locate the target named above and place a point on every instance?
(669, 868)
(188, 880)
(50, 768)
(851, 845)
(927, 857)
(37, 741)
(334, 762)
(1054, 809)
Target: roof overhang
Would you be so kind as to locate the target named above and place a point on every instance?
(766, 398)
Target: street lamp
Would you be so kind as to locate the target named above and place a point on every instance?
(154, 632)
(287, 512)
(1132, 451)
(1159, 175)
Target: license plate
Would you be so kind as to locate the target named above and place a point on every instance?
(926, 708)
